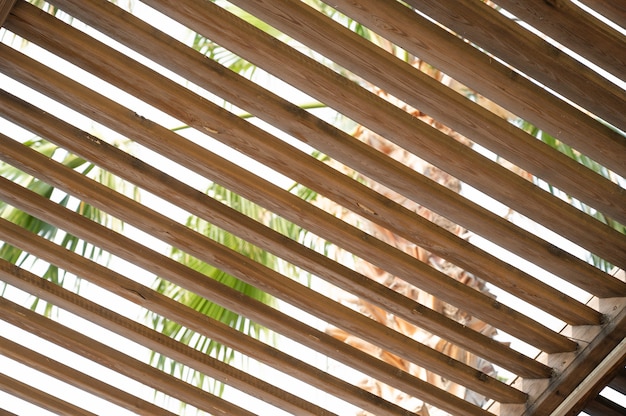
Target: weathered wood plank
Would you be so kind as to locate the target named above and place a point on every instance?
(5, 9)
(202, 324)
(42, 399)
(609, 343)
(419, 90)
(343, 147)
(612, 10)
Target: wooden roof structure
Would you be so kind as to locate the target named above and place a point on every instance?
(551, 84)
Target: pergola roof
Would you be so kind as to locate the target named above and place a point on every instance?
(565, 87)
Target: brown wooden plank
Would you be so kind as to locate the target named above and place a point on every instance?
(172, 54)
(601, 406)
(5, 9)
(575, 29)
(154, 341)
(140, 36)
(530, 54)
(393, 123)
(197, 203)
(613, 333)
(619, 382)
(264, 278)
(109, 357)
(522, 248)
(69, 375)
(191, 280)
(6, 413)
(356, 241)
(612, 10)
(365, 59)
(196, 321)
(497, 82)
(42, 399)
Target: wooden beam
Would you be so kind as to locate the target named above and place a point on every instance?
(170, 53)
(80, 344)
(498, 82)
(603, 353)
(531, 55)
(516, 240)
(393, 123)
(189, 279)
(497, 230)
(192, 319)
(575, 29)
(601, 406)
(253, 273)
(374, 250)
(619, 382)
(69, 375)
(154, 341)
(38, 397)
(198, 203)
(612, 10)
(5, 9)
(365, 59)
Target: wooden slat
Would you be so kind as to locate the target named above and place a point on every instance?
(609, 339)
(80, 344)
(192, 319)
(255, 274)
(612, 10)
(231, 299)
(197, 203)
(530, 54)
(365, 59)
(520, 242)
(619, 382)
(71, 376)
(574, 29)
(38, 397)
(393, 123)
(601, 406)
(496, 81)
(136, 34)
(5, 9)
(6, 413)
(156, 341)
(352, 239)
(400, 221)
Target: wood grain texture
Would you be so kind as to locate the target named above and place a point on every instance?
(400, 127)
(497, 81)
(536, 58)
(197, 203)
(109, 357)
(262, 277)
(576, 30)
(47, 365)
(278, 200)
